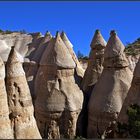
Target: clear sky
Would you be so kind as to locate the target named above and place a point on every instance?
(78, 19)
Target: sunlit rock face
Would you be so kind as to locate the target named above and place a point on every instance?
(111, 89)
(5, 124)
(21, 111)
(133, 96)
(58, 97)
(34, 62)
(79, 71)
(20, 41)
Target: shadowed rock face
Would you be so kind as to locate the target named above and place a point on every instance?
(5, 124)
(133, 96)
(110, 91)
(21, 109)
(34, 64)
(59, 99)
(95, 61)
(79, 72)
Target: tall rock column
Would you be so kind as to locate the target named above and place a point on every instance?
(95, 62)
(111, 89)
(58, 97)
(19, 99)
(91, 76)
(5, 124)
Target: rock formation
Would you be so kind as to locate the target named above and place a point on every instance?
(5, 125)
(133, 96)
(91, 76)
(95, 61)
(79, 72)
(132, 61)
(58, 97)
(111, 89)
(34, 63)
(21, 110)
(17, 39)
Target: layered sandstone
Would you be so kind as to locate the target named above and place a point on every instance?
(111, 89)
(58, 97)
(21, 109)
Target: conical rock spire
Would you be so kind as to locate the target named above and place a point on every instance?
(95, 61)
(97, 40)
(110, 91)
(114, 52)
(79, 69)
(21, 109)
(61, 56)
(58, 97)
(5, 124)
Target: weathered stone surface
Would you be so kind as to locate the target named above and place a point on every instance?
(34, 64)
(58, 97)
(5, 125)
(133, 96)
(132, 61)
(23, 123)
(19, 40)
(110, 91)
(95, 61)
(91, 76)
(5, 50)
(79, 70)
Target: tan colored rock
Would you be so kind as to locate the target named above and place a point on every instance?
(21, 108)
(79, 70)
(132, 61)
(94, 69)
(34, 64)
(58, 97)
(5, 50)
(5, 124)
(19, 40)
(133, 96)
(111, 89)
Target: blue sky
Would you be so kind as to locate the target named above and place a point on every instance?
(78, 19)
